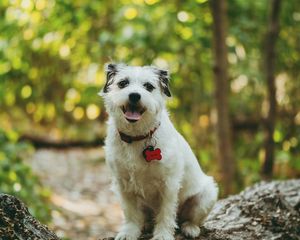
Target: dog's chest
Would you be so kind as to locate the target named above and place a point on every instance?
(138, 176)
(144, 182)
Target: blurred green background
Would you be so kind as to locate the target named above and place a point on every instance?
(51, 67)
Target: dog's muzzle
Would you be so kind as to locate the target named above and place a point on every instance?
(133, 111)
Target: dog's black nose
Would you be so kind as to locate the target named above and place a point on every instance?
(134, 97)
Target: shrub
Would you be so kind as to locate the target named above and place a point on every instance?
(17, 178)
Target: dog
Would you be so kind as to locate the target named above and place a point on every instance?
(154, 171)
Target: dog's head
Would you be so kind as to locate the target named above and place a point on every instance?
(135, 95)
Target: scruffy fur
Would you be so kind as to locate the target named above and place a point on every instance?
(173, 192)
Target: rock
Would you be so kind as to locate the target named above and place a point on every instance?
(263, 211)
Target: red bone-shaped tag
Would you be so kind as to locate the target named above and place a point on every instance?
(150, 154)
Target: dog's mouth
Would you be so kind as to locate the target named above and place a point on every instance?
(133, 113)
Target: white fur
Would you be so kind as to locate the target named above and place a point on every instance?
(163, 186)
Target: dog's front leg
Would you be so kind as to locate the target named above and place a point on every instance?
(134, 218)
(166, 217)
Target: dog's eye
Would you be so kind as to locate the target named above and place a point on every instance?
(149, 87)
(124, 83)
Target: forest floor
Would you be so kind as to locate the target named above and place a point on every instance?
(79, 181)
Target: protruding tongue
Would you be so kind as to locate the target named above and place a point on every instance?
(132, 115)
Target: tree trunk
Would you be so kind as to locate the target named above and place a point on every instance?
(224, 141)
(270, 55)
(16, 223)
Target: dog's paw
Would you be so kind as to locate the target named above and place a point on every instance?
(190, 230)
(163, 236)
(129, 231)
(126, 236)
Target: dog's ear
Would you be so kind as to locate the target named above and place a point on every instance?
(110, 70)
(164, 79)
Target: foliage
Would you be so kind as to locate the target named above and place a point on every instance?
(16, 177)
(52, 53)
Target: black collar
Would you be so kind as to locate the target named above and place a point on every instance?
(129, 139)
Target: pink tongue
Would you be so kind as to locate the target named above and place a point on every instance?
(132, 115)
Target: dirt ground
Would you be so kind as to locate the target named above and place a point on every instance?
(86, 209)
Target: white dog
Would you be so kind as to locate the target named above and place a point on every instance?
(155, 173)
